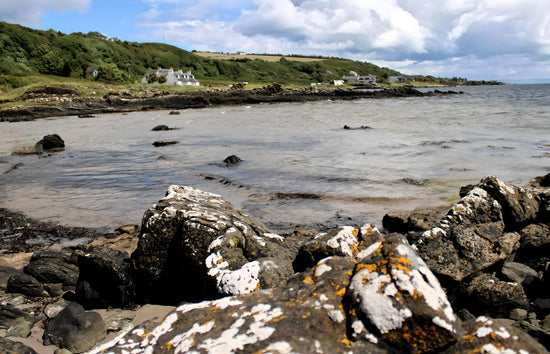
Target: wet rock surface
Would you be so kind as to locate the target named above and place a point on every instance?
(476, 279)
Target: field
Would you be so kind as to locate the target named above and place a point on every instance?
(266, 57)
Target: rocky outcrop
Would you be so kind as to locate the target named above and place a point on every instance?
(51, 142)
(241, 288)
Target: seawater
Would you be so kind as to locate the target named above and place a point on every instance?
(300, 167)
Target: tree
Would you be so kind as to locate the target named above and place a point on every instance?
(110, 72)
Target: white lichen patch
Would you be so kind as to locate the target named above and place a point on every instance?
(233, 282)
(322, 268)
(345, 240)
(184, 341)
(483, 331)
(236, 337)
(273, 236)
(492, 349)
(502, 333)
(278, 348)
(369, 250)
(336, 316)
(358, 327)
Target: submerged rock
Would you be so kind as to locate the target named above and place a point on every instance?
(164, 143)
(232, 160)
(51, 141)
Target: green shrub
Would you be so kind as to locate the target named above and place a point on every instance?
(12, 81)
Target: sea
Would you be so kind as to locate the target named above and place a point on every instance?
(299, 167)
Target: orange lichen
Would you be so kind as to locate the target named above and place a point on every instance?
(307, 314)
(340, 292)
(348, 343)
(308, 280)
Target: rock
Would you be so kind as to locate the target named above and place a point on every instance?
(117, 319)
(468, 239)
(195, 245)
(160, 128)
(543, 181)
(174, 113)
(124, 243)
(518, 273)
(343, 241)
(29, 150)
(417, 220)
(5, 274)
(127, 229)
(53, 267)
(403, 301)
(362, 127)
(53, 309)
(10, 347)
(26, 285)
(20, 328)
(75, 329)
(103, 279)
(397, 306)
(519, 206)
(10, 315)
(232, 160)
(51, 142)
(486, 335)
(518, 314)
(164, 143)
(489, 295)
(535, 238)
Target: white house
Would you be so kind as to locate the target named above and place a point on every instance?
(173, 77)
(354, 77)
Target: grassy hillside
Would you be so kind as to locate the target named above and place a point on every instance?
(24, 51)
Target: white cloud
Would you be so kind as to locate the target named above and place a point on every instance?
(29, 12)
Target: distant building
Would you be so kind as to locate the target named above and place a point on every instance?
(354, 77)
(401, 78)
(92, 72)
(337, 82)
(172, 77)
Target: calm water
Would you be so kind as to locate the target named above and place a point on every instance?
(300, 166)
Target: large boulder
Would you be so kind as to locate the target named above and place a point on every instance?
(195, 245)
(470, 238)
(75, 329)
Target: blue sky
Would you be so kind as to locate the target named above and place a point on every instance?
(506, 40)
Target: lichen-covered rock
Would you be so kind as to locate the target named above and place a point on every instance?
(305, 316)
(393, 303)
(519, 206)
(401, 300)
(492, 296)
(469, 238)
(195, 245)
(416, 220)
(346, 241)
(75, 329)
(486, 335)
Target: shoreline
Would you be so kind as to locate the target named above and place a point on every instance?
(126, 101)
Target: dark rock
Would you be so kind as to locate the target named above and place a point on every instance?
(75, 329)
(518, 273)
(21, 328)
(127, 229)
(417, 220)
(174, 113)
(195, 245)
(543, 305)
(103, 279)
(232, 160)
(29, 150)
(160, 128)
(362, 127)
(543, 181)
(51, 141)
(11, 347)
(468, 239)
(486, 335)
(519, 206)
(492, 296)
(26, 285)
(52, 267)
(164, 143)
(86, 116)
(518, 314)
(5, 274)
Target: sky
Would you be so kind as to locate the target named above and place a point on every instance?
(506, 40)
